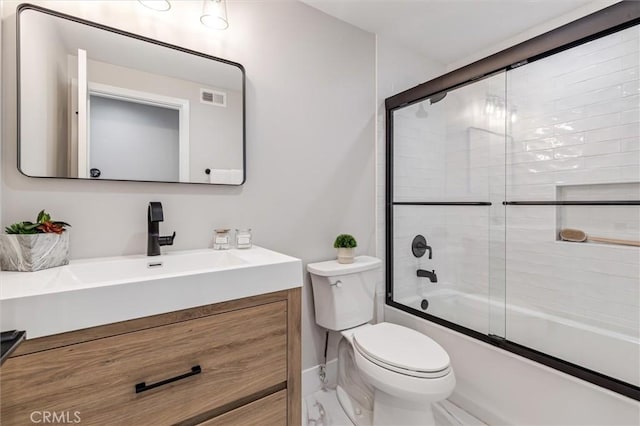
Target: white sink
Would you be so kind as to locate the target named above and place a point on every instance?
(141, 268)
(92, 292)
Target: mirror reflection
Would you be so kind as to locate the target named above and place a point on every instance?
(96, 103)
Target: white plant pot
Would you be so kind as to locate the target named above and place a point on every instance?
(33, 252)
(345, 255)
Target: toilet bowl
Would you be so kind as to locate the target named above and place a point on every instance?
(407, 371)
(387, 374)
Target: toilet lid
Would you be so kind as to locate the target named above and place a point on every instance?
(401, 347)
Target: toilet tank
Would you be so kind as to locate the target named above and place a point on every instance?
(344, 294)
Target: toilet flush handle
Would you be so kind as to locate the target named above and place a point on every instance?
(337, 284)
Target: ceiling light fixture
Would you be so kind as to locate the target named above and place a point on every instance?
(157, 5)
(214, 14)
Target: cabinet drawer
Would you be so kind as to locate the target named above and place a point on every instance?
(270, 410)
(240, 353)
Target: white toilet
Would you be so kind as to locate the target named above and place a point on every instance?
(387, 374)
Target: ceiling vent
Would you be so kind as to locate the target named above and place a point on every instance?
(213, 97)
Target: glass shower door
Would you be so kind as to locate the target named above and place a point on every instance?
(448, 188)
(524, 187)
(573, 163)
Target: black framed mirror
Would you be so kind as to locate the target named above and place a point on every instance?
(99, 103)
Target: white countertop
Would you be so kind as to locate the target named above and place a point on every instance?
(92, 292)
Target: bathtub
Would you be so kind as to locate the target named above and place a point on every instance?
(611, 353)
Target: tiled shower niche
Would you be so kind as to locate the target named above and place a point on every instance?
(615, 221)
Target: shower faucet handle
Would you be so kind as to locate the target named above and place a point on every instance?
(419, 246)
(428, 248)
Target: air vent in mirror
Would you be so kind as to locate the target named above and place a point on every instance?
(213, 97)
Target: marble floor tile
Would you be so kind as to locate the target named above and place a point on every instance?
(323, 409)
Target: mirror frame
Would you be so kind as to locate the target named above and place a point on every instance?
(26, 6)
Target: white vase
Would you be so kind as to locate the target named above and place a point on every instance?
(345, 255)
(33, 252)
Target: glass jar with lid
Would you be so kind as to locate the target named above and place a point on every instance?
(243, 238)
(221, 239)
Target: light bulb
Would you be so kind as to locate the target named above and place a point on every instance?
(489, 106)
(214, 14)
(157, 5)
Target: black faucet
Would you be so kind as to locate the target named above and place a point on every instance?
(428, 274)
(154, 240)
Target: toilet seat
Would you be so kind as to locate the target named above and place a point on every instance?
(402, 350)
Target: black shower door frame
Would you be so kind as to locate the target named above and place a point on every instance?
(599, 24)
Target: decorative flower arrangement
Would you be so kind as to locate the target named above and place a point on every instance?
(43, 225)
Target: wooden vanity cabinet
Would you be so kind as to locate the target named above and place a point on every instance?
(232, 363)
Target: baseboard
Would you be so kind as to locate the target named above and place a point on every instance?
(311, 378)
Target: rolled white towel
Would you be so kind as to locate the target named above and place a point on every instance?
(226, 176)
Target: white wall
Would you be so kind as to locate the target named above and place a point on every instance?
(397, 69)
(310, 141)
(534, 31)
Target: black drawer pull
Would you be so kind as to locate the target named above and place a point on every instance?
(141, 387)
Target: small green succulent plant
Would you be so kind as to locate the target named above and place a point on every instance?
(42, 225)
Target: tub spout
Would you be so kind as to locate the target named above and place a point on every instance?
(428, 274)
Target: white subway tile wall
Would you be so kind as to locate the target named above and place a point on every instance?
(562, 128)
(576, 138)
